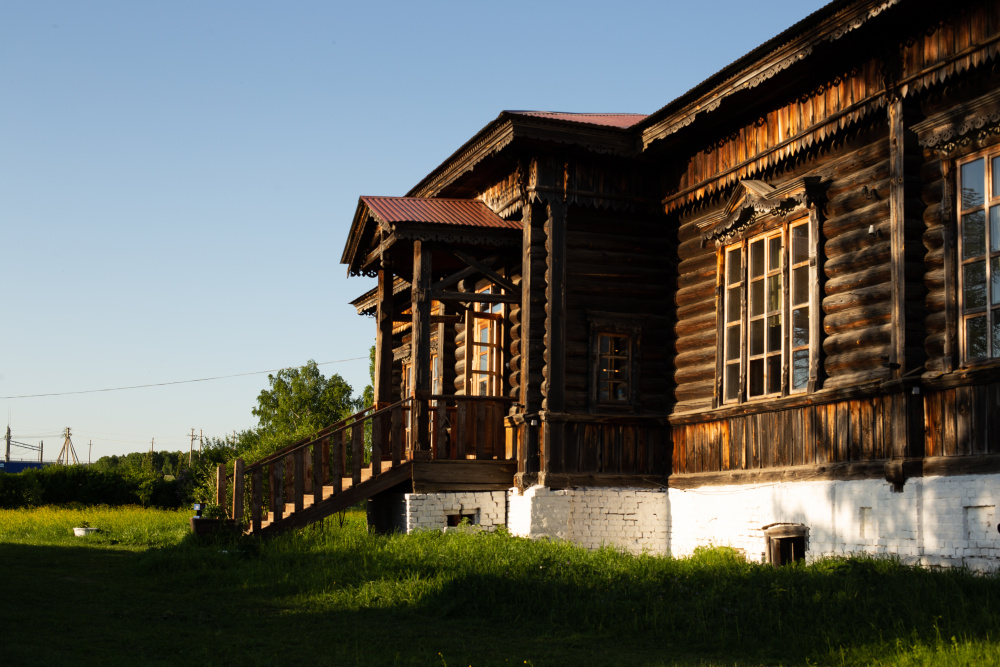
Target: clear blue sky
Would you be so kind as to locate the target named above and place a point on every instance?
(177, 178)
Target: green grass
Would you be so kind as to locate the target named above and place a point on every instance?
(142, 591)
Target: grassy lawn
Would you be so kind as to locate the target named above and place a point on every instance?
(142, 591)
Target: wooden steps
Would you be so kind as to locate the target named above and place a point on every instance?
(333, 502)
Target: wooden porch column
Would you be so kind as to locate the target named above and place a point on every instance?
(555, 329)
(421, 348)
(532, 334)
(383, 336)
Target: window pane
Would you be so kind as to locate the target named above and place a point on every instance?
(774, 333)
(774, 253)
(755, 378)
(800, 369)
(800, 243)
(974, 285)
(618, 347)
(757, 298)
(621, 392)
(996, 176)
(734, 266)
(973, 234)
(757, 258)
(732, 381)
(995, 281)
(774, 374)
(733, 299)
(773, 293)
(975, 337)
(732, 343)
(996, 333)
(605, 344)
(800, 327)
(757, 337)
(800, 285)
(973, 175)
(995, 228)
(483, 366)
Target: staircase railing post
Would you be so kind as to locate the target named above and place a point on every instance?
(378, 430)
(337, 462)
(357, 451)
(278, 488)
(256, 499)
(298, 461)
(220, 485)
(317, 470)
(396, 434)
(238, 490)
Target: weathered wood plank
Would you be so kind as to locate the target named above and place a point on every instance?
(299, 477)
(337, 461)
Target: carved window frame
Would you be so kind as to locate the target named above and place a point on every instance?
(968, 258)
(760, 212)
(614, 325)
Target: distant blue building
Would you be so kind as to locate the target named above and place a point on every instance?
(20, 466)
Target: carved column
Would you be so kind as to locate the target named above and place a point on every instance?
(383, 335)
(421, 348)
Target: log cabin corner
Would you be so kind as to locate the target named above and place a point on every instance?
(765, 316)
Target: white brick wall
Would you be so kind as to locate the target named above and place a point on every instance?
(632, 519)
(935, 521)
(429, 511)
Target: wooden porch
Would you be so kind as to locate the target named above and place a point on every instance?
(463, 448)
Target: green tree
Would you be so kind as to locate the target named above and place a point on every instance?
(300, 402)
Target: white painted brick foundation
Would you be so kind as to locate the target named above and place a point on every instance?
(935, 521)
(429, 511)
(632, 519)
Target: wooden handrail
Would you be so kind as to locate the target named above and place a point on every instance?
(320, 434)
(461, 427)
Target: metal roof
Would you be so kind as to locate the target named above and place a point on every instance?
(621, 120)
(464, 212)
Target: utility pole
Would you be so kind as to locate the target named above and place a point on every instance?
(151, 441)
(90, 444)
(7, 457)
(41, 446)
(68, 453)
(191, 451)
(200, 441)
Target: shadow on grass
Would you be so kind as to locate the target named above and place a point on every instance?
(339, 596)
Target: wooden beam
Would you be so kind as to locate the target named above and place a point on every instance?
(474, 297)
(461, 275)
(421, 340)
(484, 269)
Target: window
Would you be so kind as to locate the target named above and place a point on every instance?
(767, 316)
(486, 375)
(979, 257)
(614, 367)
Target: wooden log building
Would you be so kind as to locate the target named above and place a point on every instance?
(766, 315)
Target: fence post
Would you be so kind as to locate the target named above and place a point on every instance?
(298, 461)
(256, 499)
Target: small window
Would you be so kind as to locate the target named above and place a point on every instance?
(613, 366)
(614, 348)
(979, 257)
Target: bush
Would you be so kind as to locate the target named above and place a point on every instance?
(56, 485)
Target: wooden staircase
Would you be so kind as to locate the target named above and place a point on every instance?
(314, 478)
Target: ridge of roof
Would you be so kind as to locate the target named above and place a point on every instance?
(620, 120)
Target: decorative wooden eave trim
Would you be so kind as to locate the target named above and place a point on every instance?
(507, 127)
(352, 249)
(961, 124)
(754, 69)
(477, 236)
(752, 199)
(367, 302)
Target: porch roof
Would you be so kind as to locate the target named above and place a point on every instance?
(406, 217)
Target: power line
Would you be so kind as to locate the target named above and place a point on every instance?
(164, 384)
